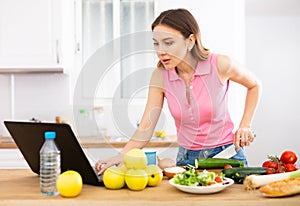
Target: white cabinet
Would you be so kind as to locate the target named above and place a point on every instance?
(12, 159)
(30, 34)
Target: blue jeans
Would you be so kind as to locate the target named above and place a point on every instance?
(186, 156)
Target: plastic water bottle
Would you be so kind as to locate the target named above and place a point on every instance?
(49, 165)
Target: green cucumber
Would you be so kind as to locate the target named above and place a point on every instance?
(238, 174)
(216, 163)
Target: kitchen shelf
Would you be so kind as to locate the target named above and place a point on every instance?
(41, 70)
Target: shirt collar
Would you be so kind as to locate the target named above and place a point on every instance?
(203, 68)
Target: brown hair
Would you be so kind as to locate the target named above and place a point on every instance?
(184, 22)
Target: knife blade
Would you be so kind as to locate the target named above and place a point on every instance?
(226, 153)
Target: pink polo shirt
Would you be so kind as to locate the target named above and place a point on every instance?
(205, 121)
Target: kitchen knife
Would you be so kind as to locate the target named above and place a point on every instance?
(226, 153)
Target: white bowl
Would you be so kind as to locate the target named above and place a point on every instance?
(203, 189)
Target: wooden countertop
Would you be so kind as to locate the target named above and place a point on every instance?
(21, 187)
(96, 142)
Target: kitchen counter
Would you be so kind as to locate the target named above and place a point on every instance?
(96, 142)
(21, 187)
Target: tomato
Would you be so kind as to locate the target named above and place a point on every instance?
(288, 157)
(227, 166)
(281, 169)
(218, 179)
(290, 167)
(266, 163)
(273, 165)
(270, 171)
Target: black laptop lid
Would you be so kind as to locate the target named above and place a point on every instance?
(29, 137)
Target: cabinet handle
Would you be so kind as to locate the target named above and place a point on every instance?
(77, 25)
(57, 52)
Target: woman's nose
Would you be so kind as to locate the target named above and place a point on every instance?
(161, 50)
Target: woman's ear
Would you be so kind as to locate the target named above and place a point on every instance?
(191, 41)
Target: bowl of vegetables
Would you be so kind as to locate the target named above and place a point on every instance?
(200, 182)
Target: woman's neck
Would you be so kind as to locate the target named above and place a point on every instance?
(187, 66)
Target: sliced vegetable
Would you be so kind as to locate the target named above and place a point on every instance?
(255, 181)
(216, 163)
(238, 174)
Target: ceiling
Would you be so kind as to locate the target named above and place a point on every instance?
(272, 7)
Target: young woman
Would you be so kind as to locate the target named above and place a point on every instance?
(195, 83)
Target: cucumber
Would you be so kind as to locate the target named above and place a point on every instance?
(238, 174)
(216, 163)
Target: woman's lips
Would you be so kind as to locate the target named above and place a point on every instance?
(165, 61)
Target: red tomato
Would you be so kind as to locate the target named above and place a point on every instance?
(227, 166)
(273, 165)
(281, 169)
(218, 179)
(266, 163)
(270, 171)
(290, 167)
(288, 157)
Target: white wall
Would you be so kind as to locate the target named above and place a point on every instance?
(272, 53)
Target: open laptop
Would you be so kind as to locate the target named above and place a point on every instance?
(29, 137)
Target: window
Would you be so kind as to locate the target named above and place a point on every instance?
(127, 22)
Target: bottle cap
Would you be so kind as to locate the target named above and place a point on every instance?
(50, 135)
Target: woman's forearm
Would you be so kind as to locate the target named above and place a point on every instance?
(252, 99)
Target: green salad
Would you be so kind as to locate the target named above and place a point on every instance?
(193, 177)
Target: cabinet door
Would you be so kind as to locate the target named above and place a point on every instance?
(12, 159)
(30, 33)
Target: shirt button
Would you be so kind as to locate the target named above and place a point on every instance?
(191, 87)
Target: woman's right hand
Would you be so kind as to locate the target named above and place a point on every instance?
(102, 165)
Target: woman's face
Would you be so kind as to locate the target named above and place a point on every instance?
(170, 45)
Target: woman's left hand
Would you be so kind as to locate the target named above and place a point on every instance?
(243, 137)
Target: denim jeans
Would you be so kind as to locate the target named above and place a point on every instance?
(186, 156)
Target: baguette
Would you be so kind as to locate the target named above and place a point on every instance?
(281, 188)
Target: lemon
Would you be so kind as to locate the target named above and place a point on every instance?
(155, 175)
(135, 159)
(136, 179)
(114, 178)
(69, 183)
(157, 133)
(161, 134)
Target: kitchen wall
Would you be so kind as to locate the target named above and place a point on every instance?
(266, 41)
(272, 53)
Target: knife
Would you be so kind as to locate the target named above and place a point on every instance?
(226, 153)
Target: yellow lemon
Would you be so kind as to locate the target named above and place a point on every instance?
(135, 159)
(163, 134)
(114, 178)
(69, 183)
(136, 179)
(155, 175)
(157, 133)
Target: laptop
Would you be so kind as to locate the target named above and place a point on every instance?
(29, 137)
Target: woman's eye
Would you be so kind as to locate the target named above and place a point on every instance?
(169, 43)
(155, 44)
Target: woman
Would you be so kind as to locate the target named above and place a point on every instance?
(195, 83)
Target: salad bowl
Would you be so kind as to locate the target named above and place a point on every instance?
(203, 189)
